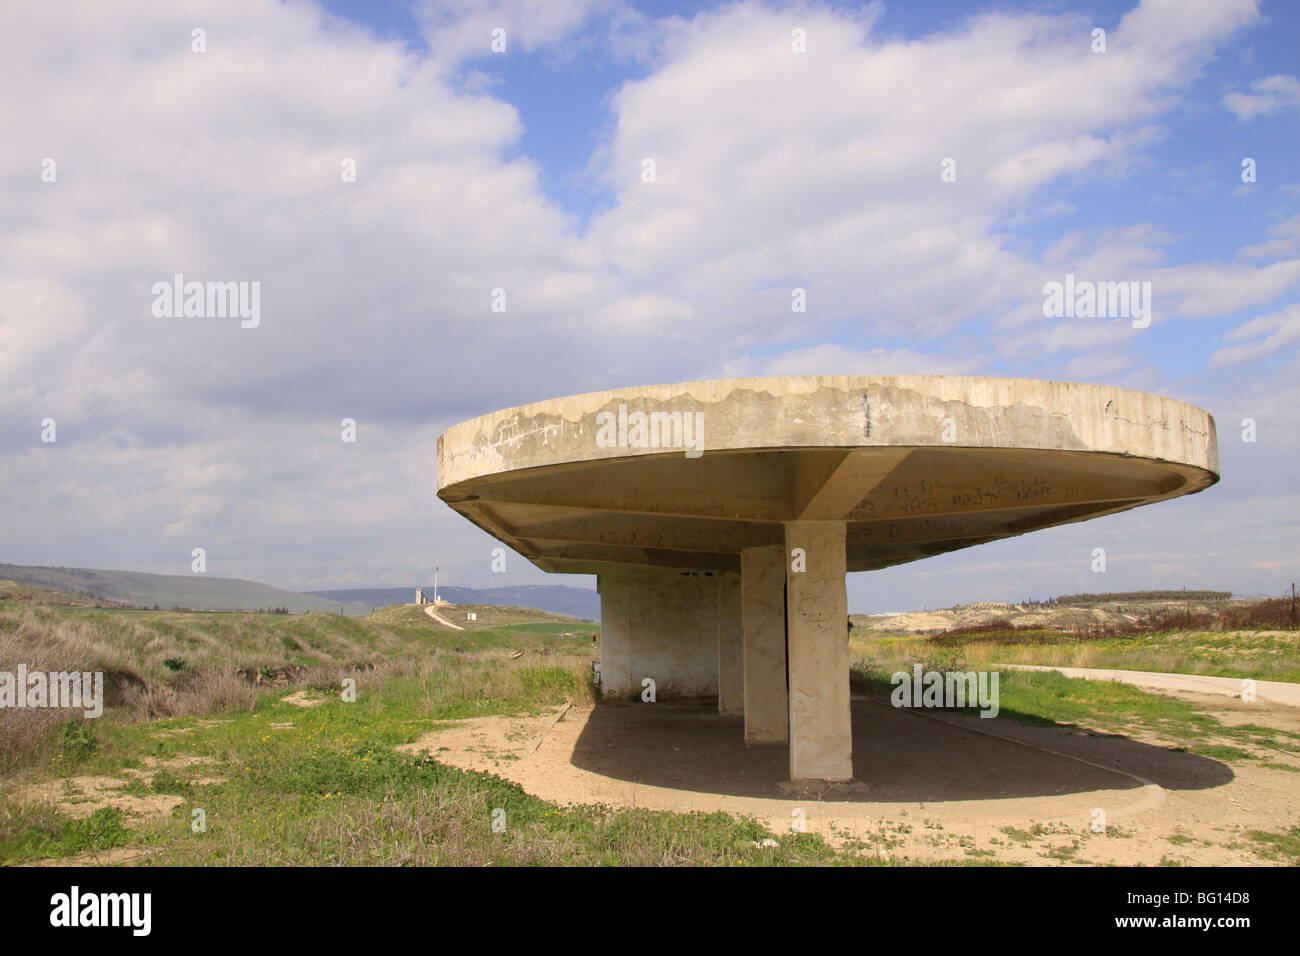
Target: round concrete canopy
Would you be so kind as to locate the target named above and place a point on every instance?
(689, 475)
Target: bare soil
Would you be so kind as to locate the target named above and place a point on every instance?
(927, 787)
(80, 796)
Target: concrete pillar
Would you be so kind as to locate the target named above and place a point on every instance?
(821, 735)
(615, 634)
(762, 600)
(660, 623)
(731, 647)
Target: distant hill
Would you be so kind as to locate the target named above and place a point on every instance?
(555, 598)
(1137, 597)
(35, 594)
(203, 593)
(1084, 613)
(192, 591)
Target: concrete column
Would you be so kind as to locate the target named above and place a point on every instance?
(762, 600)
(615, 634)
(821, 735)
(731, 647)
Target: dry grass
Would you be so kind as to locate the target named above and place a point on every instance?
(1266, 655)
(218, 691)
(133, 653)
(148, 644)
(28, 735)
(50, 641)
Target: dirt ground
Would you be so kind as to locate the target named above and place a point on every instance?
(927, 787)
(80, 796)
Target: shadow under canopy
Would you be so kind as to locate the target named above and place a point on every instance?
(903, 757)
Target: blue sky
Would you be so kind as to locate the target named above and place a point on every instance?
(561, 93)
(561, 102)
(521, 170)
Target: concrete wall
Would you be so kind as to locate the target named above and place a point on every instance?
(660, 623)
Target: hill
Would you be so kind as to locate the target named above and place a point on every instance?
(196, 591)
(35, 594)
(1081, 613)
(582, 603)
(200, 592)
(144, 647)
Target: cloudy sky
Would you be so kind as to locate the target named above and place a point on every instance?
(135, 148)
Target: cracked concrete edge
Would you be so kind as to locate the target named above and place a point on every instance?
(842, 411)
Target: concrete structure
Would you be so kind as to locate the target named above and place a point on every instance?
(721, 517)
(419, 595)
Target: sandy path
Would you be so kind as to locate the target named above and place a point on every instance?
(428, 609)
(1266, 691)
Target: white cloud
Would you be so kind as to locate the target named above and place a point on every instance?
(1211, 289)
(839, 360)
(1268, 96)
(459, 29)
(1288, 233)
(775, 169)
(826, 165)
(1283, 330)
(1097, 366)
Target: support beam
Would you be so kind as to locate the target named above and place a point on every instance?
(821, 735)
(731, 647)
(829, 497)
(762, 598)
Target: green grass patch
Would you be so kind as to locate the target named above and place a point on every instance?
(1283, 846)
(1047, 698)
(33, 832)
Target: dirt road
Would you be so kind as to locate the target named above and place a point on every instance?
(1266, 691)
(428, 609)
